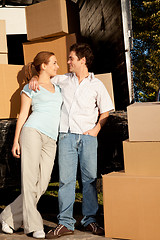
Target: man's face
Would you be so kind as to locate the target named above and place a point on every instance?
(74, 63)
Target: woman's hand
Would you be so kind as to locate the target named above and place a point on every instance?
(33, 83)
(16, 150)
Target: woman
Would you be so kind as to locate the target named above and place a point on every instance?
(35, 139)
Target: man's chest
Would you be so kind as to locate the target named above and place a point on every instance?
(84, 94)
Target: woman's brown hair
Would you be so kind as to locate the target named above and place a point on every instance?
(33, 68)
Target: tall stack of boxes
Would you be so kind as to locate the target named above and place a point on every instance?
(53, 25)
(3, 43)
(12, 81)
(11, 77)
(15, 20)
(132, 198)
(50, 27)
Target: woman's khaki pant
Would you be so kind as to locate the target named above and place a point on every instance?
(37, 159)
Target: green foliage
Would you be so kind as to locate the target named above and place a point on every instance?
(146, 50)
(78, 197)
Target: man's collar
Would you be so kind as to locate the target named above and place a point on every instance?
(90, 76)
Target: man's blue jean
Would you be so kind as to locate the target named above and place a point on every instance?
(74, 147)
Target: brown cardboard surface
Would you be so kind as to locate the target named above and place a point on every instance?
(60, 46)
(142, 158)
(131, 206)
(48, 18)
(106, 78)
(12, 82)
(3, 58)
(3, 38)
(143, 121)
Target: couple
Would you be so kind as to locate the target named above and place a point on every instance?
(85, 108)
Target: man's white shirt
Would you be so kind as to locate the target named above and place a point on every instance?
(82, 103)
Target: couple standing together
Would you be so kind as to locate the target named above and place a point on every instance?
(81, 104)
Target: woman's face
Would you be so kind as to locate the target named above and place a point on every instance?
(52, 66)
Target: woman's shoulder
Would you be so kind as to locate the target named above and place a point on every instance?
(28, 91)
(26, 87)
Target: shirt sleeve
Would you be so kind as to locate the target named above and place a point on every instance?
(27, 91)
(104, 101)
(58, 89)
(58, 79)
(54, 80)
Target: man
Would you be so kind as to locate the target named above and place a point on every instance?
(86, 106)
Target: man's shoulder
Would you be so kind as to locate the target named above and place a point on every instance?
(64, 75)
(96, 80)
(60, 78)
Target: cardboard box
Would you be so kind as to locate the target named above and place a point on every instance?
(142, 158)
(3, 38)
(106, 78)
(131, 206)
(4, 58)
(60, 46)
(144, 121)
(51, 18)
(12, 81)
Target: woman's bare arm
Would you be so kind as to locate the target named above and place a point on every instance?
(24, 111)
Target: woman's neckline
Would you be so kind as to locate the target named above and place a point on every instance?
(47, 89)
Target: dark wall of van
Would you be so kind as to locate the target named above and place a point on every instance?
(101, 27)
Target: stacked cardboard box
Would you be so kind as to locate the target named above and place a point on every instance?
(49, 28)
(143, 121)
(11, 80)
(51, 18)
(3, 43)
(142, 150)
(106, 79)
(131, 199)
(60, 46)
(131, 206)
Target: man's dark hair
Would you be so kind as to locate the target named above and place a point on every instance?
(83, 50)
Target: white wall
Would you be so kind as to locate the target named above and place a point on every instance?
(15, 19)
